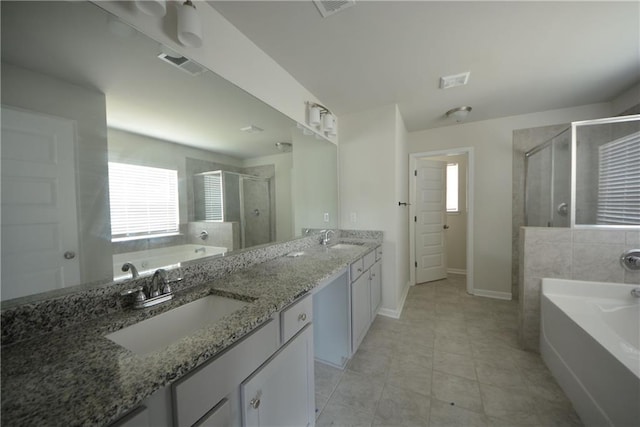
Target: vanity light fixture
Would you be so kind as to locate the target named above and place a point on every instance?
(321, 119)
(189, 25)
(459, 113)
(157, 8)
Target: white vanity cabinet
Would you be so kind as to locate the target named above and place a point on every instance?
(267, 378)
(366, 294)
(281, 392)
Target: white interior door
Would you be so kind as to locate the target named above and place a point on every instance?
(39, 219)
(430, 199)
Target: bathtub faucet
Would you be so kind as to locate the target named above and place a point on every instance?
(636, 292)
(129, 266)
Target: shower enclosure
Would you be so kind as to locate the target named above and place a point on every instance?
(548, 182)
(224, 196)
(587, 175)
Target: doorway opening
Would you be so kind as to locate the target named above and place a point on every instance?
(441, 230)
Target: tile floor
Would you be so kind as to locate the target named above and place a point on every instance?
(450, 360)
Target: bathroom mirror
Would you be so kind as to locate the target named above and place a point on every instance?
(606, 172)
(83, 94)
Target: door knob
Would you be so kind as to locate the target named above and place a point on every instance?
(446, 227)
(69, 255)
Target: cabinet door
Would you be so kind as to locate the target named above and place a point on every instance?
(281, 392)
(360, 309)
(375, 275)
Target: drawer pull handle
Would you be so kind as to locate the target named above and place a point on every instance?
(302, 317)
(255, 403)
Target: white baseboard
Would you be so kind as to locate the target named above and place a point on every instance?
(492, 294)
(457, 271)
(395, 314)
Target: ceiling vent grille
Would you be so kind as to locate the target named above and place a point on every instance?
(330, 7)
(454, 80)
(185, 64)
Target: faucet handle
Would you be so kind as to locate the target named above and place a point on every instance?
(130, 291)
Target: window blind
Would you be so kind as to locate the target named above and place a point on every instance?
(213, 201)
(144, 200)
(619, 181)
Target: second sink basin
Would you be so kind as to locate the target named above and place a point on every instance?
(345, 246)
(160, 331)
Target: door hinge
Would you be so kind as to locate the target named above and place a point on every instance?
(415, 172)
(416, 264)
(415, 219)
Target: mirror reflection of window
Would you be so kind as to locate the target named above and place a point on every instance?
(452, 188)
(144, 201)
(213, 197)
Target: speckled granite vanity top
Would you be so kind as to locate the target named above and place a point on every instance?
(75, 376)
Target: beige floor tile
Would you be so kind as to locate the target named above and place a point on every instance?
(335, 414)
(489, 373)
(410, 376)
(453, 344)
(370, 362)
(326, 378)
(447, 415)
(399, 407)
(509, 404)
(462, 392)
(455, 364)
(554, 414)
(321, 402)
(357, 391)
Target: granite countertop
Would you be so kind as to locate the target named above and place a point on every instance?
(76, 376)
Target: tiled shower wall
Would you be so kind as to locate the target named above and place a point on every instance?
(579, 254)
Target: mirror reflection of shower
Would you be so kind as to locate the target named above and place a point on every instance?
(231, 197)
(548, 182)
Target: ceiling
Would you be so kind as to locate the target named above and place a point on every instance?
(80, 43)
(523, 57)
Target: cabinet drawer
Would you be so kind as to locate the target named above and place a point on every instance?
(357, 268)
(220, 416)
(199, 391)
(369, 259)
(295, 317)
(379, 253)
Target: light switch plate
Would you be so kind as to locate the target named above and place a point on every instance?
(326, 217)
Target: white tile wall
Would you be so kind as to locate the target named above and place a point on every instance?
(592, 255)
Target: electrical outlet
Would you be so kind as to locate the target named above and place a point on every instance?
(353, 217)
(326, 217)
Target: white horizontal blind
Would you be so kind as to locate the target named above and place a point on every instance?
(144, 200)
(213, 201)
(619, 181)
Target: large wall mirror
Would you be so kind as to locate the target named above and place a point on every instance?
(117, 150)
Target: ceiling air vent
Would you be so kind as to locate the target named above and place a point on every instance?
(185, 64)
(330, 7)
(454, 80)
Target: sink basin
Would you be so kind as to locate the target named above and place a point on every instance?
(346, 246)
(164, 329)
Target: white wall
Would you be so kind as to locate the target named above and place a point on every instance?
(225, 51)
(372, 153)
(492, 142)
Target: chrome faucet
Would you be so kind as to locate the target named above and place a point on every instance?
(325, 239)
(159, 283)
(157, 291)
(129, 266)
(636, 292)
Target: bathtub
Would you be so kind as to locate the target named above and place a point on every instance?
(170, 257)
(590, 340)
